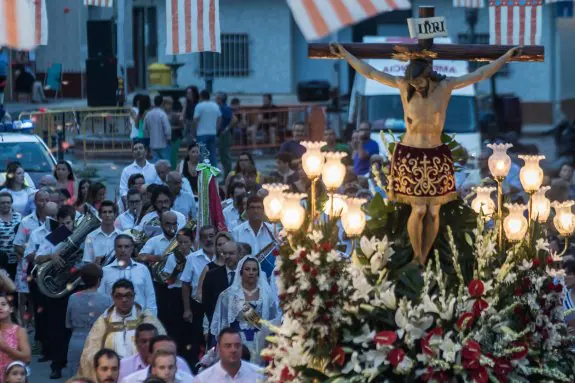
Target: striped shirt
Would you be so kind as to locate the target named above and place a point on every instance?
(7, 233)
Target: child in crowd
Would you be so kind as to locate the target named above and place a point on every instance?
(16, 372)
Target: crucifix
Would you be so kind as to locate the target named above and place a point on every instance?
(422, 172)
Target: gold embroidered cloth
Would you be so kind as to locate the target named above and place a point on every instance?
(422, 175)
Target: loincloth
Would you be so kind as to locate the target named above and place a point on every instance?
(422, 175)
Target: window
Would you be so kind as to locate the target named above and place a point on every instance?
(234, 61)
(32, 156)
(481, 38)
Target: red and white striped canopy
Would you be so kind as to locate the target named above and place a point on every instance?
(99, 3)
(23, 24)
(192, 26)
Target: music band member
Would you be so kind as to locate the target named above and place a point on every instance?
(58, 336)
(153, 250)
(172, 313)
(184, 201)
(99, 244)
(127, 220)
(115, 329)
(123, 267)
(107, 366)
(161, 202)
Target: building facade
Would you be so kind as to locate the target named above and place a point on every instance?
(264, 51)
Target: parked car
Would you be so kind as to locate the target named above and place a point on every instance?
(31, 151)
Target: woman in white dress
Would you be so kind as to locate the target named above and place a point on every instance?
(251, 291)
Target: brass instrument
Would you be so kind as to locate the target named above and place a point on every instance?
(56, 281)
(251, 315)
(157, 268)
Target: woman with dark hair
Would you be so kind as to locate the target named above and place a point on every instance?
(144, 106)
(65, 178)
(84, 308)
(192, 99)
(82, 195)
(244, 161)
(187, 167)
(96, 195)
(15, 184)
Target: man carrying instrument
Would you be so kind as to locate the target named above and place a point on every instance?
(116, 328)
(99, 246)
(123, 267)
(58, 336)
(162, 202)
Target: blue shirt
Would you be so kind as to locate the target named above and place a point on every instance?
(361, 166)
(292, 147)
(227, 115)
(3, 63)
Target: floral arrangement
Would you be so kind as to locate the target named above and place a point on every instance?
(476, 313)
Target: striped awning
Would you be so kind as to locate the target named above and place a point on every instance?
(23, 24)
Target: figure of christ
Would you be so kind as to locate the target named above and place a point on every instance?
(422, 173)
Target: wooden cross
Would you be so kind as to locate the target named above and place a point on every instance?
(466, 52)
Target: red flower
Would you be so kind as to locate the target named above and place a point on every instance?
(436, 376)
(558, 288)
(338, 356)
(314, 272)
(312, 291)
(550, 286)
(471, 350)
(329, 304)
(286, 375)
(334, 289)
(327, 247)
(479, 375)
(518, 292)
(502, 366)
(479, 306)
(426, 347)
(526, 283)
(549, 260)
(385, 338)
(520, 354)
(470, 364)
(465, 321)
(396, 356)
(302, 254)
(536, 262)
(306, 268)
(276, 252)
(476, 288)
(436, 331)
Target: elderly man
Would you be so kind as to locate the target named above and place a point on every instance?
(116, 328)
(184, 202)
(163, 168)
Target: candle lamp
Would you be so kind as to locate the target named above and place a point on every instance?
(531, 177)
(541, 205)
(515, 224)
(312, 162)
(482, 203)
(354, 220)
(292, 213)
(564, 221)
(499, 165)
(335, 206)
(273, 202)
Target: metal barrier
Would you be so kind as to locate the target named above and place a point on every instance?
(110, 133)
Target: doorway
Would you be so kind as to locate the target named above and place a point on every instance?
(145, 42)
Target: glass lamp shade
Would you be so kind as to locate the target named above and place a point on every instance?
(482, 203)
(541, 205)
(499, 162)
(515, 224)
(313, 159)
(273, 202)
(564, 220)
(531, 174)
(353, 220)
(336, 205)
(333, 172)
(292, 214)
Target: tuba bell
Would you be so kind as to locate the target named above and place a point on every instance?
(55, 281)
(157, 268)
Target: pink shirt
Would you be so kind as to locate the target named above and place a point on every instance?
(135, 363)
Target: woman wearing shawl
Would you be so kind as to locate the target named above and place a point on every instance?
(249, 290)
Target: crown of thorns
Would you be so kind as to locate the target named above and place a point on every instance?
(404, 54)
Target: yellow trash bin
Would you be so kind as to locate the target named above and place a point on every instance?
(159, 74)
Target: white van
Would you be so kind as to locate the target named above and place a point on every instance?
(381, 104)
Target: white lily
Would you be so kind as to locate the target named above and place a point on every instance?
(377, 262)
(525, 265)
(542, 244)
(449, 348)
(387, 296)
(414, 328)
(353, 364)
(368, 246)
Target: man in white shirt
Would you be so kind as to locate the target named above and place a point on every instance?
(148, 341)
(193, 309)
(163, 168)
(99, 244)
(154, 248)
(207, 119)
(127, 220)
(255, 232)
(163, 365)
(106, 366)
(123, 267)
(32, 221)
(140, 165)
(184, 202)
(162, 202)
(231, 367)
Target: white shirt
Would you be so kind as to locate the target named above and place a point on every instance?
(99, 244)
(142, 375)
(248, 373)
(196, 262)
(208, 113)
(148, 171)
(169, 269)
(245, 233)
(185, 203)
(156, 245)
(125, 221)
(139, 275)
(154, 214)
(37, 236)
(27, 226)
(21, 199)
(135, 363)
(232, 217)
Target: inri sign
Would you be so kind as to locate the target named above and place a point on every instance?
(427, 28)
